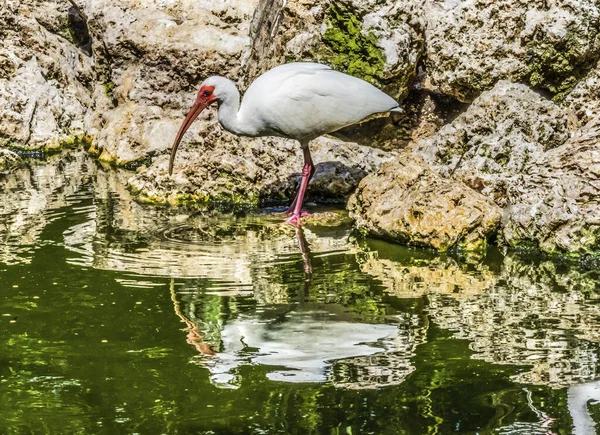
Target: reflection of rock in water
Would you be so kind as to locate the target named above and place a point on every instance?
(411, 279)
(534, 316)
(31, 194)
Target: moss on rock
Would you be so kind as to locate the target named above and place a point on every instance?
(348, 48)
(559, 67)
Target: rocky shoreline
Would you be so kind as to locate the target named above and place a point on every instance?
(500, 139)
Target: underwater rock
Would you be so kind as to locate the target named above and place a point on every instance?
(555, 204)
(496, 138)
(9, 161)
(472, 44)
(406, 202)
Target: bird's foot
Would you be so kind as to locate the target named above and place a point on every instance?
(302, 212)
(294, 220)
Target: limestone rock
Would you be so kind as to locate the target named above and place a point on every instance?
(248, 171)
(584, 101)
(474, 43)
(496, 138)
(405, 201)
(44, 80)
(151, 58)
(381, 43)
(555, 204)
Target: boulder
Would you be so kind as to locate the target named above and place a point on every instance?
(554, 205)
(502, 132)
(151, 58)
(584, 100)
(406, 202)
(474, 43)
(381, 43)
(45, 80)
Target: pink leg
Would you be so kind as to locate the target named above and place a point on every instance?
(307, 161)
(307, 173)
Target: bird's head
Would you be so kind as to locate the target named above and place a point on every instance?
(211, 90)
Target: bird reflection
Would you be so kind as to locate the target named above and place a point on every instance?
(305, 252)
(194, 337)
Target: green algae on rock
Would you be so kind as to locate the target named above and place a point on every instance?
(350, 49)
(9, 161)
(473, 44)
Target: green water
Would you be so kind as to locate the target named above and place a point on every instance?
(122, 318)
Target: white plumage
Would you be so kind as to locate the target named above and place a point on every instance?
(299, 101)
(306, 100)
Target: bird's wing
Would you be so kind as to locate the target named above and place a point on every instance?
(306, 100)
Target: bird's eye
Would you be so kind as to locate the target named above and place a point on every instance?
(206, 93)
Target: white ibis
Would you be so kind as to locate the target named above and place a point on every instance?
(299, 101)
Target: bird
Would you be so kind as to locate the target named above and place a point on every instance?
(299, 100)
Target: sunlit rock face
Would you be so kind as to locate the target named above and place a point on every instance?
(502, 132)
(381, 43)
(584, 100)
(555, 205)
(405, 201)
(473, 44)
(45, 80)
(151, 57)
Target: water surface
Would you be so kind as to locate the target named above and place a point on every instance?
(123, 318)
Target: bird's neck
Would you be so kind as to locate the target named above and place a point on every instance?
(229, 113)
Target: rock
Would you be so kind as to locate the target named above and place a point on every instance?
(44, 79)
(496, 138)
(474, 43)
(9, 161)
(555, 203)
(381, 43)
(584, 101)
(151, 58)
(223, 168)
(407, 202)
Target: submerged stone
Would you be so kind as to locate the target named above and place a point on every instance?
(9, 161)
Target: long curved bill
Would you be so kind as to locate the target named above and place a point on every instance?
(196, 109)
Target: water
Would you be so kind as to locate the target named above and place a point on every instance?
(122, 318)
